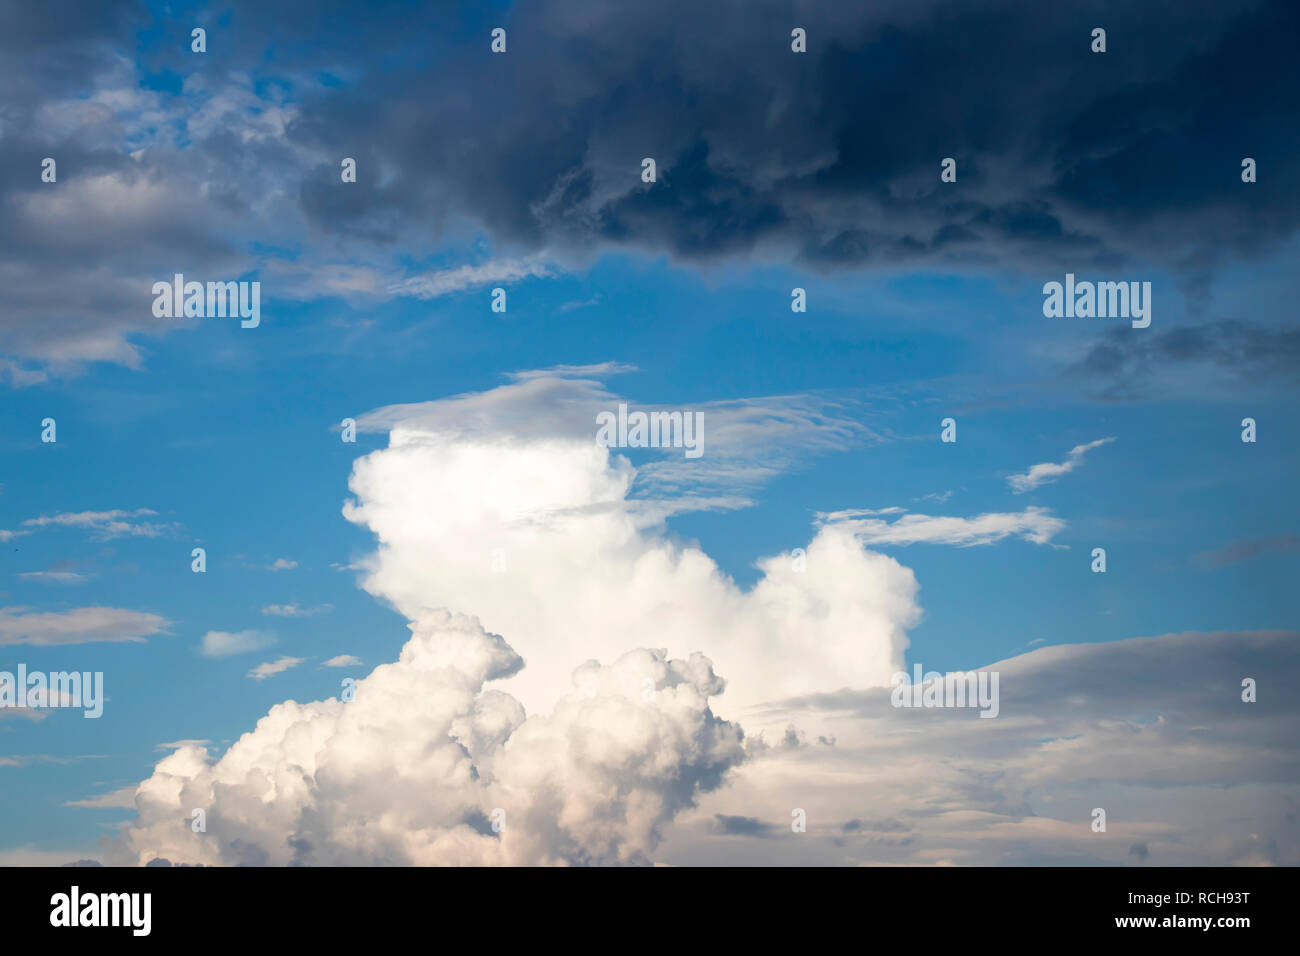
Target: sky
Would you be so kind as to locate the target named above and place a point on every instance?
(557, 652)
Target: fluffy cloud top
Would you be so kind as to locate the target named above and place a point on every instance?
(504, 505)
(414, 768)
(535, 528)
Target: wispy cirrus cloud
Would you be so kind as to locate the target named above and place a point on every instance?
(122, 798)
(432, 285)
(177, 744)
(293, 610)
(24, 760)
(1046, 472)
(745, 441)
(54, 577)
(873, 527)
(103, 525)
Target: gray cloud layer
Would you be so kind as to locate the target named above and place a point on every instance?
(171, 161)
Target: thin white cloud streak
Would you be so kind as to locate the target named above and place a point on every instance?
(174, 744)
(433, 285)
(104, 525)
(1049, 471)
(1034, 524)
(123, 798)
(56, 577)
(746, 441)
(271, 668)
(293, 610)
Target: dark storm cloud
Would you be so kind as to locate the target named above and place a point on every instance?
(78, 256)
(172, 161)
(1119, 367)
(832, 157)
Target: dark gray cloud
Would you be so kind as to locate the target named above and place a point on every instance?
(1250, 548)
(1121, 366)
(832, 157)
(1152, 730)
(1189, 680)
(725, 825)
(154, 176)
(228, 161)
(875, 826)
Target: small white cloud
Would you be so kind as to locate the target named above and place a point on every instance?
(1049, 471)
(226, 643)
(581, 304)
(293, 610)
(282, 564)
(83, 625)
(935, 496)
(271, 668)
(343, 660)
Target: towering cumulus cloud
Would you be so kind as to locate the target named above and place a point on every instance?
(513, 480)
(502, 505)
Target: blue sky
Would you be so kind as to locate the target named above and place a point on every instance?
(232, 444)
(228, 436)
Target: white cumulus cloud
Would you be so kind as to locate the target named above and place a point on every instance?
(504, 506)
